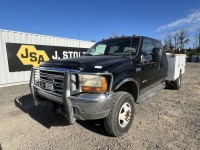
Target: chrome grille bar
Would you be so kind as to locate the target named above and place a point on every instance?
(54, 79)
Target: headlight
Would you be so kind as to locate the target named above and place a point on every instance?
(94, 83)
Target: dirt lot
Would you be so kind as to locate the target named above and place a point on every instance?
(169, 120)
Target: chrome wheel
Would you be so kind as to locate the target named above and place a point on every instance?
(124, 114)
(120, 118)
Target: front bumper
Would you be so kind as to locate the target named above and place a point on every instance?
(82, 106)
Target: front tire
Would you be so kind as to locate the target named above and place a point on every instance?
(120, 118)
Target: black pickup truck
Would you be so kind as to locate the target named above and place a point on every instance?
(104, 83)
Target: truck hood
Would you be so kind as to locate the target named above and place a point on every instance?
(90, 63)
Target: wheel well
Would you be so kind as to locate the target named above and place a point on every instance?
(131, 88)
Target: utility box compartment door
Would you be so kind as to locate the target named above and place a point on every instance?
(176, 64)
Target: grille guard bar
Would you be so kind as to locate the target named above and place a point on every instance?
(66, 89)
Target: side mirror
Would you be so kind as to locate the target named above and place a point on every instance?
(157, 54)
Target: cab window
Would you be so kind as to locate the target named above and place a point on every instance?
(147, 49)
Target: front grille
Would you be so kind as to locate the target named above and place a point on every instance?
(49, 80)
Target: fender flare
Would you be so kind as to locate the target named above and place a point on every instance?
(128, 80)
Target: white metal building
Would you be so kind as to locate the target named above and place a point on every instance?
(20, 51)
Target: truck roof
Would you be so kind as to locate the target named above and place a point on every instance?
(134, 36)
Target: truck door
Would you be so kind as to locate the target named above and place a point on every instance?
(163, 63)
(150, 70)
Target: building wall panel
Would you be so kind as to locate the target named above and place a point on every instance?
(6, 36)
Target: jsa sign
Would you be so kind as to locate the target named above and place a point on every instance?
(28, 55)
(22, 57)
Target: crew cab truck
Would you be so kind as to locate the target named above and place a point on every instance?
(106, 81)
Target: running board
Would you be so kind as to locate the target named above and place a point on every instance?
(150, 93)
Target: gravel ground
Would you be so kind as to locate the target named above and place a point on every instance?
(169, 120)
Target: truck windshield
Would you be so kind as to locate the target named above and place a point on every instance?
(118, 46)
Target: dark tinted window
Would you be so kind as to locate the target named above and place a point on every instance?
(158, 44)
(147, 49)
(147, 46)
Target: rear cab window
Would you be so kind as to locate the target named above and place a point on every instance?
(158, 44)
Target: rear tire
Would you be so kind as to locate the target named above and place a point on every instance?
(120, 118)
(168, 85)
(177, 83)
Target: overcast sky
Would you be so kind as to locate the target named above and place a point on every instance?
(97, 19)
